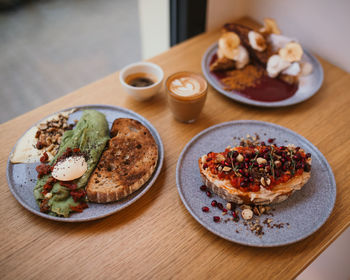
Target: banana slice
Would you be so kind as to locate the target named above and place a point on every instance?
(257, 41)
(293, 70)
(276, 65)
(220, 54)
(270, 27)
(291, 52)
(242, 57)
(306, 69)
(279, 41)
(228, 44)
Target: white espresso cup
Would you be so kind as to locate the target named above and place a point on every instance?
(142, 69)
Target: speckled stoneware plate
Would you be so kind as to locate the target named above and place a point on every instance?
(308, 85)
(21, 178)
(302, 214)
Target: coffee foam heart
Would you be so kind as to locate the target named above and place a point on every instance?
(185, 86)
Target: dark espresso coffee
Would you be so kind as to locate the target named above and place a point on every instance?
(140, 80)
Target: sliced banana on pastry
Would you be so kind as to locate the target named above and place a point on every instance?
(220, 54)
(242, 57)
(306, 68)
(270, 27)
(279, 41)
(293, 70)
(228, 44)
(275, 65)
(256, 41)
(291, 52)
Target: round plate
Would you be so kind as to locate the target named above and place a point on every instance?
(308, 85)
(305, 211)
(21, 178)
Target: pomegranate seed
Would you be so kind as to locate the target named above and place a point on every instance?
(203, 188)
(263, 143)
(208, 194)
(251, 179)
(216, 219)
(246, 159)
(205, 209)
(224, 210)
(235, 216)
(261, 165)
(214, 203)
(271, 140)
(220, 206)
(205, 166)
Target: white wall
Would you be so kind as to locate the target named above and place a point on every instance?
(322, 26)
(220, 12)
(154, 26)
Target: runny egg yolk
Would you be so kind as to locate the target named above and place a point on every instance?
(70, 168)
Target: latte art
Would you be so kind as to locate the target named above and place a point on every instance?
(185, 86)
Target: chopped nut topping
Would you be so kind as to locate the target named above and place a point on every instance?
(239, 158)
(261, 160)
(220, 157)
(226, 168)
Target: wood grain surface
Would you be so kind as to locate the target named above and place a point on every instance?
(156, 237)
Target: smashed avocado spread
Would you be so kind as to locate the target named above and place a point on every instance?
(88, 138)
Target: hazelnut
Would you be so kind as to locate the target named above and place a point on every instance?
(226, 168)
(261, 209)
(261, 160)
(256, 211)
(220, 157)
(239, 158)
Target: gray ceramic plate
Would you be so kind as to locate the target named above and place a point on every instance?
(308, 85)
(305, 211)
(21, 178)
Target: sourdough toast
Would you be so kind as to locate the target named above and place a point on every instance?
(127, 163)
(233, 182)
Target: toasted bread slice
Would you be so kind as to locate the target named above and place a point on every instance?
(127, 163)
(222, 64)
(276, 194)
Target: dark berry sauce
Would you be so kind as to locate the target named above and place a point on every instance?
(266, 89)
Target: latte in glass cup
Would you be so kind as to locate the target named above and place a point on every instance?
(186, 94)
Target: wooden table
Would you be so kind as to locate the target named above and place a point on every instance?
(156, 237)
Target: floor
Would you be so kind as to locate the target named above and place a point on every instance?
(50, 48)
